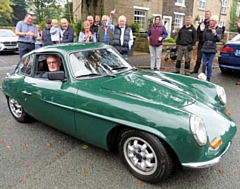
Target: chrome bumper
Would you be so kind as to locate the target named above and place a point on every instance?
(205, 164)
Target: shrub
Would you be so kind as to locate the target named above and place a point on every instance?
(77, 27)
(135, 27)
(170, 40)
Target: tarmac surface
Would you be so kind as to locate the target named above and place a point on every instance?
(142, 60)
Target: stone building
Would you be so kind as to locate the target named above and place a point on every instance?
(142, 11)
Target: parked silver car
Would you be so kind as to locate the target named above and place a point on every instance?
(8, 40)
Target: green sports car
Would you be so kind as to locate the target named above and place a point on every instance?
(154, 120)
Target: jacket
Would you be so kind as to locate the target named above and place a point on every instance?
(46, 37)
(209, 40)
(122, 49)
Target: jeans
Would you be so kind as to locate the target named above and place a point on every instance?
(207, 63)
(155, 53)
(38, 46)
(25, 48)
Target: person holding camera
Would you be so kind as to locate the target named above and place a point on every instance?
(210, 35)
(187, 37)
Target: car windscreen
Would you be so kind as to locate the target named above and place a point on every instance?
(97, 62)
(7, 33)
(236, 38)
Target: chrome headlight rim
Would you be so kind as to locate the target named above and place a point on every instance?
(198, 130)
(221, 95)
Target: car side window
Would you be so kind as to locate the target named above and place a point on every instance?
(26, 65)
(42, 67)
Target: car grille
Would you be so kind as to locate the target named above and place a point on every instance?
(11, 43)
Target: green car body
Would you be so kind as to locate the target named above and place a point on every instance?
(99, 109)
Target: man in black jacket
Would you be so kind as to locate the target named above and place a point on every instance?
(200, 42)
(46, 36)
(186, 40)
(68, 33)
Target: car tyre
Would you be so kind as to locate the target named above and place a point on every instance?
(17, 111)
(145, 156)
(225, 70)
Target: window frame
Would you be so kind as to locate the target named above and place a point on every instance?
(203, 2)
(142, 9)
(180, 4)
(224, 7)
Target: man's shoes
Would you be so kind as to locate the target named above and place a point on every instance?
(193, 72)
(238, 83)
(208, 79)
(176, 72)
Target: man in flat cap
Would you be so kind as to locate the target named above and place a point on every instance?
(46, 36)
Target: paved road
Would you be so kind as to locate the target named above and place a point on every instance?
(35, 156)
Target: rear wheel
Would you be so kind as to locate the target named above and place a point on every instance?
(225, 70)
(145, 156)
(17, 110)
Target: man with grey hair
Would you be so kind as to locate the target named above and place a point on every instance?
(122, 36)
(93, 27)
(68, 33)
(186, 40)
(105, 33)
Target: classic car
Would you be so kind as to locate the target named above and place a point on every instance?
(8, 40)
(229, 57)
(153, 119)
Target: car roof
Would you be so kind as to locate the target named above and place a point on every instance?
(69, 47)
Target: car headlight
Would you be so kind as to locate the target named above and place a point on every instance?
(1, 46)
(221, 95)
(198, 130)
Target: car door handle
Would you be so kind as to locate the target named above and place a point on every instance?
(27, 93)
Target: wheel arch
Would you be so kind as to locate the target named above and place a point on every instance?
(114, 138)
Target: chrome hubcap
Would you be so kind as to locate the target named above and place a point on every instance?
(16, 108)
(140, 155)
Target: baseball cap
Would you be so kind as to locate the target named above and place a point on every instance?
(48, 21)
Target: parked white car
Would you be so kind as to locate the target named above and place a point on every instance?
(8, 40)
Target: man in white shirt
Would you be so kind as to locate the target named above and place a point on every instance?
(122, 36)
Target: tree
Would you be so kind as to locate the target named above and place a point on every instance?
(43, 9)
(5, 9)
(233, 16)
(19, 10)
(68, 11)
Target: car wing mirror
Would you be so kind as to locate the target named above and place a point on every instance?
(57, 75)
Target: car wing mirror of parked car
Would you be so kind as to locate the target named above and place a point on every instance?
(57, 75)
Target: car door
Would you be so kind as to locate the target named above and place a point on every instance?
(50, 101)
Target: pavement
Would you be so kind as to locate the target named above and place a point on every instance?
(142, 60)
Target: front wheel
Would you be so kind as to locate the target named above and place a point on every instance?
(17, 110)
(145, 156)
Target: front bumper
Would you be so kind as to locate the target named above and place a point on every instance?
(9, 47)
(200, 165)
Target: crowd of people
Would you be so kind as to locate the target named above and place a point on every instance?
(31, 36)
(120, 36)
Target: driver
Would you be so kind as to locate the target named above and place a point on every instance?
(54, 63)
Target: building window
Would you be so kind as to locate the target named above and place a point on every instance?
(224, 7)
(180, 3)
(202, 4)
(140, 17)
(178, 21)
(221, 23)
(238, 9)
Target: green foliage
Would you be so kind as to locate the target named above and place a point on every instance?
(223, 41)
(170, 40)
(5, 9)
(135, 27)
(150, 21)
(233, 16)
(77, 27)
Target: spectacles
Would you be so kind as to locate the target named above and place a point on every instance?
(53, 62)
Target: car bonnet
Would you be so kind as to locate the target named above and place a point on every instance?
(147, 87)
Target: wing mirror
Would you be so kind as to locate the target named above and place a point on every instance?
(57, 75)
